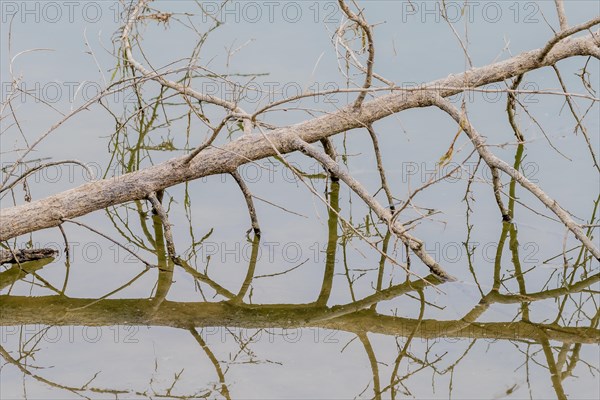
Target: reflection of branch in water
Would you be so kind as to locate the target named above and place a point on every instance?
(577, 287)
(117, 290)
(454, 364)
(581, 261)
(350, 317)
(423, 364)
(364, 339)
(394, 376)
(332, 238)
(554, 373)
(204, 278)
(224, 389)
(250, 273)
(17, 310)
(165, 264)
(77, 390)
(20, 271)
(282, 272)
(386, 294)
(381, 269)
(86, 388)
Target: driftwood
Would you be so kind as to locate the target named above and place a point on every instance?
(93, 196)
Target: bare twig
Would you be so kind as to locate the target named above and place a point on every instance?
(511, 108)
(497, 190)
(46, 165)
(147, 264)
(494, 161)
(249, 202)
(566, 33)
(579, 125)
(134, 15)
(384, 183)
(360, 21)
(208, 141)
(162, 214)
(444, 13)
(415, 245)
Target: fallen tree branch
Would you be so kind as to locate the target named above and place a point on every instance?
(93, 196)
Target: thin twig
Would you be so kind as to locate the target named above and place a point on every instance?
(384, 183)
(565, 33)
(146, 263)
(360, 21)
(162, 214)
(249, 202)
(579, 120)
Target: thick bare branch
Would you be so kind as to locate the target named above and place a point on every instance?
(97, 195)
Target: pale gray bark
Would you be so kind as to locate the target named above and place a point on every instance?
(93, 196)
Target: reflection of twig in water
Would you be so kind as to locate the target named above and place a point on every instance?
(373, 362)
(224, 389)
(283, 272)
(404, 351)
(250, 273)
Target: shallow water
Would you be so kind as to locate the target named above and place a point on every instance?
(309, 309)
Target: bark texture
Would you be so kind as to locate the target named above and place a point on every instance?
(21, 256)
